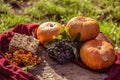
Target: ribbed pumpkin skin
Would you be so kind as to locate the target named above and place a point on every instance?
(97, 54)
(47, 30)
(87, 27)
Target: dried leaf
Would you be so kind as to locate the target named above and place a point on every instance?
(77, 37)
(28, 67)
(49, 44)
(75, 52)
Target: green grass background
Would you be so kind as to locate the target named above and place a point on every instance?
(107, 12)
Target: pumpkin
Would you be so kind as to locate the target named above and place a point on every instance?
(97, 54)
(101, 36)
(87, 27)
(47, 30)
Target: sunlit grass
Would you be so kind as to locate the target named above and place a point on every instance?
(107, 12)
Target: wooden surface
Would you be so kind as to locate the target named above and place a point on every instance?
(51, 70)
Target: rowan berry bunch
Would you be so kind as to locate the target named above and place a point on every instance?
(22, 59)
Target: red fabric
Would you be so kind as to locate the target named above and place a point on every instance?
(11, 72)
(114, 72)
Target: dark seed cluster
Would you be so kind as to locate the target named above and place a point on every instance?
(62, 51)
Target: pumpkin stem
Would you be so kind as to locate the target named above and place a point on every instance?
(99, 47)
(51, 25)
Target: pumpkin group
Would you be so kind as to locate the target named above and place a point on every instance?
(87, 27)
(97, 54)
(47, 30)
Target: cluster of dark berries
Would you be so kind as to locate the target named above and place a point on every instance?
(62, 50)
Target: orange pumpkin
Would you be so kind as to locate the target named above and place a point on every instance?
(47, 30)
(97, 54)
(87, 27)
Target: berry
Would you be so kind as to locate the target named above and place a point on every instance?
(62, 51)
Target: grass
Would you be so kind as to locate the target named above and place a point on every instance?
(105, 11)
(9, 19)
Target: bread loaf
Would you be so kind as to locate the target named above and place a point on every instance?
(22, 41)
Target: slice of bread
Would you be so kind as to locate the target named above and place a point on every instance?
(22, 41)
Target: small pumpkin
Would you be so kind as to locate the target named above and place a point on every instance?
(47, 30)
(87, 27)
(97, 54)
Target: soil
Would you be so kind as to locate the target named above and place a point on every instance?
(49, 69)
(18, 6)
